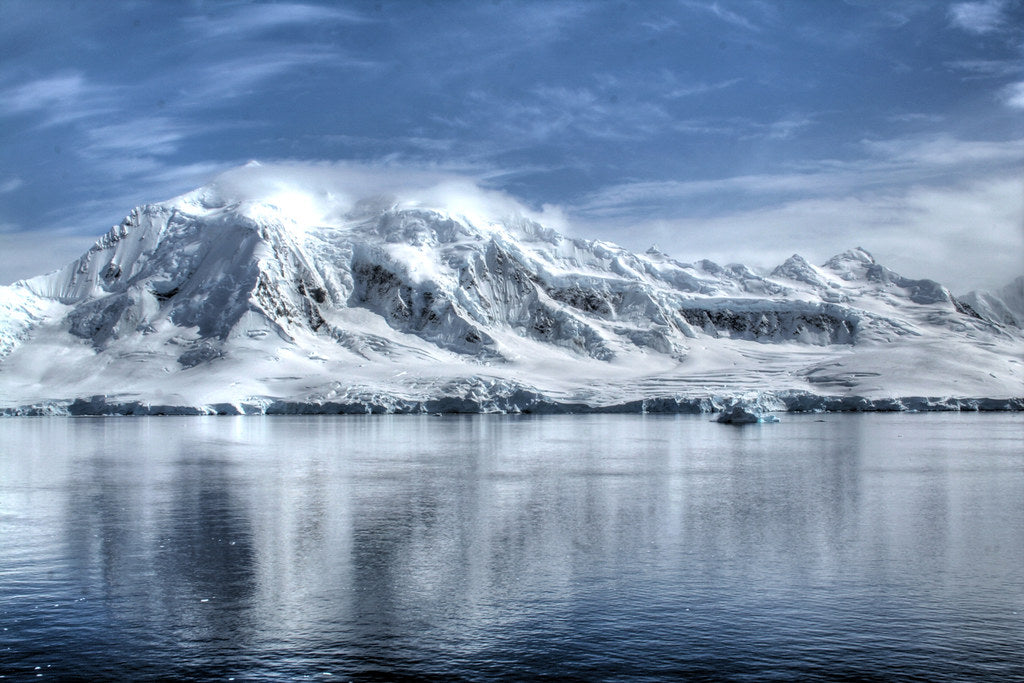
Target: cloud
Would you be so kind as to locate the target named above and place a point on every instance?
(41, 93)
(988, 67)
(333, 189)
(235, 77)
(426, 144)
(978, 17)
(1013, 95)
(667, 197)
(966, 236)
(546, 114)
(152, 135)
(253, 19)
(929, 153)
(10, 185)
(906, 198)
(535, 23)
(139, 180)
(701, 88)
(485, 38)
(741, 128)
(660, 24)
(786, 128)
(892, 163)
(57, 99)
(916, 117)
(722, 13)
(732, 117)
(70, 97)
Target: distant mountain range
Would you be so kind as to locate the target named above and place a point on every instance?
(214, 303)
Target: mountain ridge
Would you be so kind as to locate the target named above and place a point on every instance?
(215, 299)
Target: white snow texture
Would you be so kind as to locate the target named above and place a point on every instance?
(264, 293)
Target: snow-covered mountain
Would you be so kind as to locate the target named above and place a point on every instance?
(297, 300)
(1005, 305)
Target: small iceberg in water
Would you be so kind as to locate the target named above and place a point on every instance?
(741, 415)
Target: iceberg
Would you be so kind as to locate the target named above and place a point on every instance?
(739, 414)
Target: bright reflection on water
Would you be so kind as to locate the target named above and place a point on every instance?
(594, 547)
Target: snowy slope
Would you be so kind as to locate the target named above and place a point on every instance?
(1005, 305)
(297, 298)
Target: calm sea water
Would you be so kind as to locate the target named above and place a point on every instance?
(491, 547)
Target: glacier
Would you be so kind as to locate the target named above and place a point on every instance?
(314, 299)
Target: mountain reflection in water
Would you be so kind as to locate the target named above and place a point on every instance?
(488, 547)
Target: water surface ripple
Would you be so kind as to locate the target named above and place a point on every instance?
(501, 547)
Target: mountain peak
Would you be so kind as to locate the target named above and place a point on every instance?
(797, 268)
(858, 255)
(275, 285)
(1004, 305)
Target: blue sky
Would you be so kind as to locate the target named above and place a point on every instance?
(733, 130)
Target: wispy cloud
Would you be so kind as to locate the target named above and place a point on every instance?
(253, 19)
(41, 93)
(537, 23)
(57, 99)
(234, 77)
(426, 144)
(786, 128)
(723, 13)
(546, 112)
(490, 37)
(10, 185)
(916, 117)
(663, 84)
(921, 231)
(141, 180)
(895, 15)
(980, 17)
(700, 88)
(892, 163)
(666, 197)
(906, 198)
(681, 110)
(141, 136)
(660, 24)
(988, 67)
(929, 153)
(1013, 95)
(715, 127)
